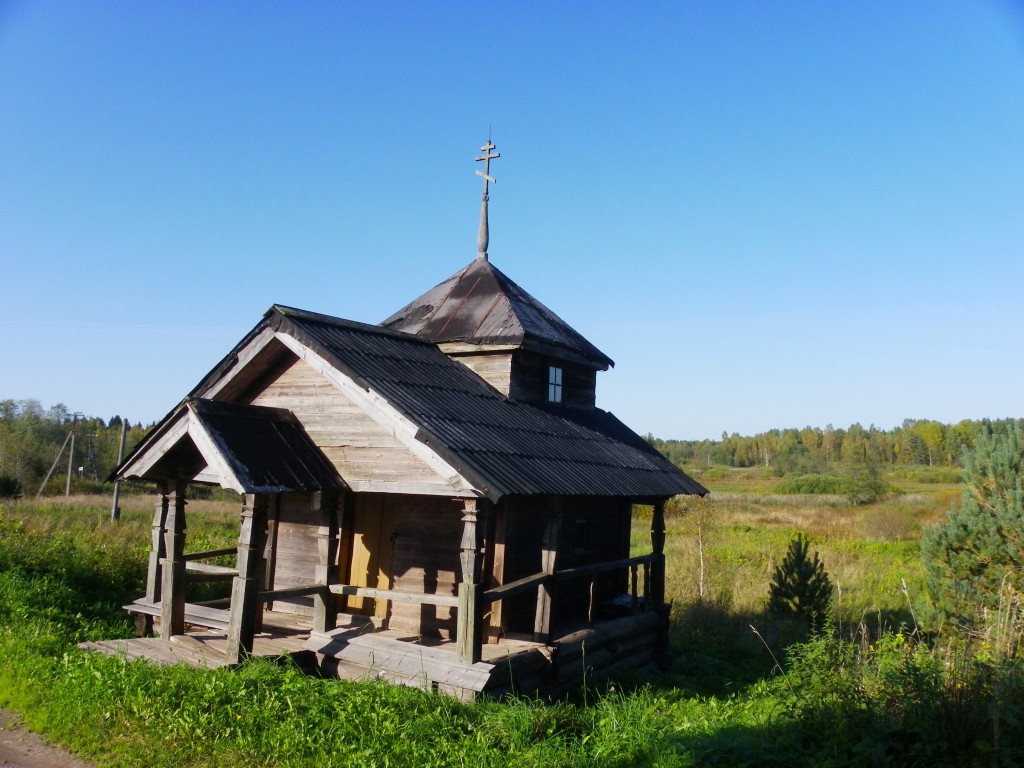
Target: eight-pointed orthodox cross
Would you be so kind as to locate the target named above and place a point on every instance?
(484, 235)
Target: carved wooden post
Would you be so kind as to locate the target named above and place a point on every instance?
(156, 551)
(242, 616)
(548, 562)
(469, 621)
(172, 594)
(657, 572)
(325, 607)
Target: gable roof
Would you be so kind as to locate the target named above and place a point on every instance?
(479, 304)
(247, 448)
(503, 447)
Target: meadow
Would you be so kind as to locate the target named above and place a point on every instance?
(871, 684)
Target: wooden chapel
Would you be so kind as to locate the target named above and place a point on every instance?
(435, 500)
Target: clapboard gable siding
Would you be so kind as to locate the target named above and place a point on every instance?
(366, 456)
(494, 368)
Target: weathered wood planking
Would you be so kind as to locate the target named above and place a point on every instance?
(530, 380)
(366, 454)
(494, 368)
(401, 661)
(296, 552)
(426, 536)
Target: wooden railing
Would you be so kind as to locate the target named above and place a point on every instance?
(390, 594)
(634, 564)
(196, 571)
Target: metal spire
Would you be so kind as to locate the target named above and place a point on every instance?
(484, 234)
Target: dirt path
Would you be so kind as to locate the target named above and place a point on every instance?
(21, 748)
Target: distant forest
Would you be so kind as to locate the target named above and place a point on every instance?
(813, 450)
(35, 440)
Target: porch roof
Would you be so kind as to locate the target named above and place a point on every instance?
(247, 448)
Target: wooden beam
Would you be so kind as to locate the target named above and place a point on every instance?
(213, 454)
(548, 563)
(207, 568)
(495, 553)
(469, 620)
(609, 565)
(172, 593)
(210, 553)
(325, 607)
(245, 355)
(242, 615)
(154, 579)
(289, 592)
(657, 570)
(268, 563)
(450, 601)
(145, 460)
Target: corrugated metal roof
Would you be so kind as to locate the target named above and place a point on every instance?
(507, 447)
(267, 448)
(479, 304)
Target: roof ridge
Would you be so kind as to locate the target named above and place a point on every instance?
(294, 313)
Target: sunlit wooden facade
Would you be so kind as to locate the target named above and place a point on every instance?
(440, 487)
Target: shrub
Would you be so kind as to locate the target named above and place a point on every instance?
(10, 487)
(800, 587)
(817, 484)
(865, 483)
(978, 552)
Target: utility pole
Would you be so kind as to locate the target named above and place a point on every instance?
(71, 456)
(54, 465)
(115, 511)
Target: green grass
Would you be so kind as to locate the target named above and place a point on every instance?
(860, 693)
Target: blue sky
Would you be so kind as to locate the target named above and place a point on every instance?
(768, 214)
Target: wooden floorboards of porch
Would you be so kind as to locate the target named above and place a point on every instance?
(360, 650)
(283, 635)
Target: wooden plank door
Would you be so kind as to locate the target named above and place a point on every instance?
(372, 550)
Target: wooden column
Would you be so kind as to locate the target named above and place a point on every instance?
(548, 563)
(325, 606)
(156, 550)
(657, 572)
(268, 561)
(495, 559)
(172, 591)
(470, 618)
(242, 615)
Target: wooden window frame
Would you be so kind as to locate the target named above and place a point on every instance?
(556, 386)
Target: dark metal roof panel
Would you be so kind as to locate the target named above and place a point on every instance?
(510, 447)
(481, 305)
(268, 449)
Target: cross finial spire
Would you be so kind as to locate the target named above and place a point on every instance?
(484, 235)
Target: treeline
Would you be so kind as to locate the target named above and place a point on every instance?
(813, 450)
(34, 439)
